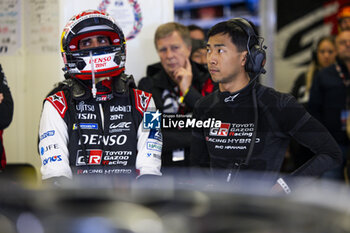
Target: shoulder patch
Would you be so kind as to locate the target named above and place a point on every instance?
(142, 100)
(58, 100)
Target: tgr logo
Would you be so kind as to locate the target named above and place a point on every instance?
(221, 131)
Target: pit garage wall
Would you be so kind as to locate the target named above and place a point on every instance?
(30, 34)
(300, 24)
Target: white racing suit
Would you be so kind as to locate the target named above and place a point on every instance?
(81, 135)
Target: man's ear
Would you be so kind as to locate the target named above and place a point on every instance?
(244, 58)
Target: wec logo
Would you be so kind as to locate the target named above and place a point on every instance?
(121, 125)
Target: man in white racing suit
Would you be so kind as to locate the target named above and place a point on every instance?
(92, 123)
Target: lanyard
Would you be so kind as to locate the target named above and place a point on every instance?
(346, 83)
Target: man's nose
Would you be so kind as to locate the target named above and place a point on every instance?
(95, 43)
(169, 53)
(211, 59)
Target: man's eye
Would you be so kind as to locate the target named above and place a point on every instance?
(102, 40)
(220, 51)
(208, 50)
(85, 43)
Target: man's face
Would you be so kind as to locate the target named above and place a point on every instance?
(173, 52)
(344, 24)
(200, 56)
(342, 43)
(93, 42)
(197, 35)
(224, 60)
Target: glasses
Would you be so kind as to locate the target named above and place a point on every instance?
(344, 42)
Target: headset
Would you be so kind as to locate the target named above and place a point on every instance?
(255, 63)
(256, 57)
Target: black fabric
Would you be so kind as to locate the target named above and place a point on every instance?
(153, 69)
(298, 89)
(280, 117)
(161, 84)
(6, 109)
(298, 153)
(328, 100)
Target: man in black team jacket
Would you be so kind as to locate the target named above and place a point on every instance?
(175, 88)
(257, 122)
(6, 110)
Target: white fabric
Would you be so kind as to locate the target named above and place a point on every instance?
(52, 121)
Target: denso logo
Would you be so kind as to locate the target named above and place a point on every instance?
(101, 59)
(52, 159)
(107, 140)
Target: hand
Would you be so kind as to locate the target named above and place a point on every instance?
(280, 187)
(183, 76)
(277, 189)
(1, 97)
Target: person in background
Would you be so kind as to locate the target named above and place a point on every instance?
(330, 98)
(323, 55)
(196, 32)
(257, 122)
(343, 18)
(91, 124)
(6, 113)
(199, 52)
(175, 89)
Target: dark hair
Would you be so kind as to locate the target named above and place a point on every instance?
(193, 27)
(198, 44)
(239, 36)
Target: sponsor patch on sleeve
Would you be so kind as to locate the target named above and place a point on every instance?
(154, 146)
(58, 100)
(142, 100)
(155, 134)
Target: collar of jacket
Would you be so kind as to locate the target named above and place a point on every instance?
(120, 86)
(238, 96)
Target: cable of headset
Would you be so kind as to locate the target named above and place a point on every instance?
(234, 166)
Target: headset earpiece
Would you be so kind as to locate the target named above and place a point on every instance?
(256, 57)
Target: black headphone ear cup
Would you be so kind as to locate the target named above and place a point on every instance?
(255, 60)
